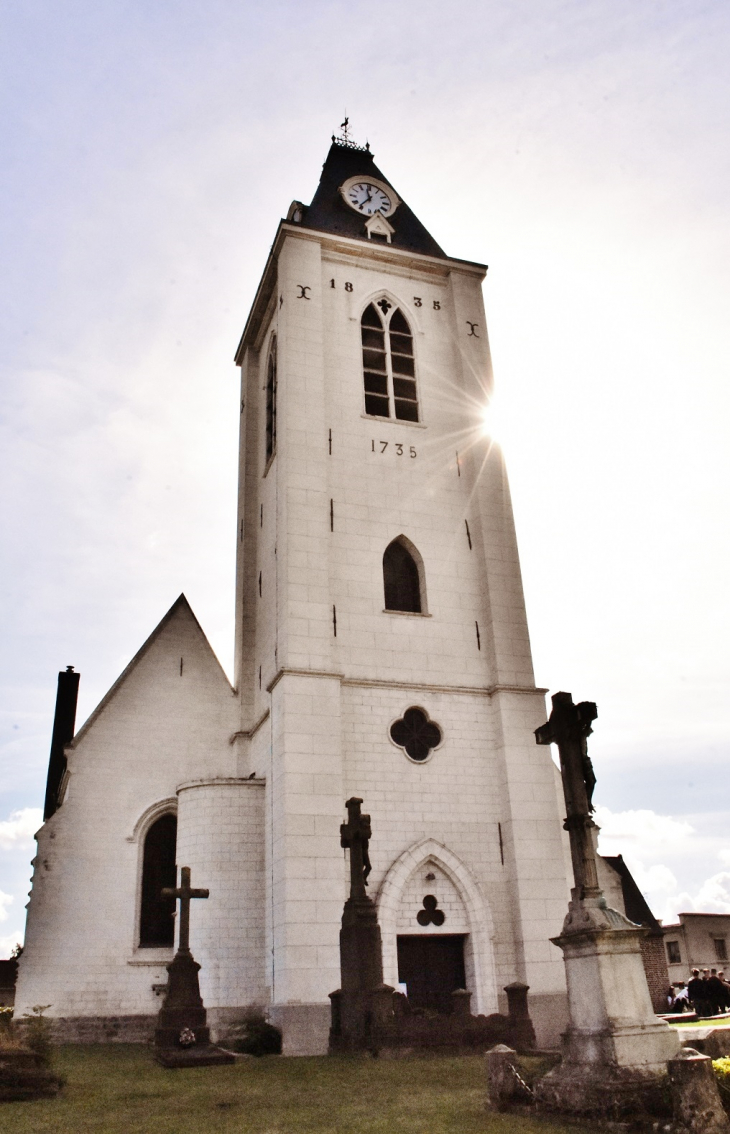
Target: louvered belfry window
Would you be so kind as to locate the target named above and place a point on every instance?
(388, 363)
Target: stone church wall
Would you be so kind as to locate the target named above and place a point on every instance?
(450, 798)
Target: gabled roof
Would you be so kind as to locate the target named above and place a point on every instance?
(329, 213)
(635, 904)
(181, 606)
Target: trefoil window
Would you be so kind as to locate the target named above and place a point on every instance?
(388, 363)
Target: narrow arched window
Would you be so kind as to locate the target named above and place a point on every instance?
(388, 363)
(156, 922)
(400, 579)
(271, 401)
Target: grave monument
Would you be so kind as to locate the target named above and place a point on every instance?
(182, 1036)
(614, 1043)
(363, 1001)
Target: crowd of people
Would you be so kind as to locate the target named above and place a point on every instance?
(707, 994)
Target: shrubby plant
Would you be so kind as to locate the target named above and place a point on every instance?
(256, 1036)
(722, 1072)
(37, 1034)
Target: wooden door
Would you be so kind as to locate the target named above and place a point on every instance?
(431, 967)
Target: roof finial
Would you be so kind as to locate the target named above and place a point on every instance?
(345, 137)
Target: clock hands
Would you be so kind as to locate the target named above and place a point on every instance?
(368, 198)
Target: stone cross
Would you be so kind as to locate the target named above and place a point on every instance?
(569, 727)
(184, 892)
(355, 834)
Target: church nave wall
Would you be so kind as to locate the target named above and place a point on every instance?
(168, 718)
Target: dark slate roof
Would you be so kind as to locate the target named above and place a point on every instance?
(329, 213)
(637, 909)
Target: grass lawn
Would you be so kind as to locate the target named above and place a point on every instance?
(704, 1022)
(118, 1089)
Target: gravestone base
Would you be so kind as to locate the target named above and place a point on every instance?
(183, 1011)
(612, 1020)
(204, 1055)
(615, 1049)
(608, 1091)
(363, 1004)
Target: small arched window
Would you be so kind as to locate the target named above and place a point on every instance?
(388, 363)
(156, 922)
(271, 401)
(401, 579)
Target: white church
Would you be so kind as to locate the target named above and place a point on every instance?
(381, 651)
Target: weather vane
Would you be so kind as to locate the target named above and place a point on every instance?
(345, 138)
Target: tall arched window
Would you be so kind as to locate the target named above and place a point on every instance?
(401, 579)
(388, 363)
(271, 401)
(156, 922)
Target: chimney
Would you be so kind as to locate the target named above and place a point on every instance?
(64, 723)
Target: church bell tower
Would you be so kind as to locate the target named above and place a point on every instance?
(381, 640)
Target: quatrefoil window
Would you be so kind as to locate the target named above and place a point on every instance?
(416, 733)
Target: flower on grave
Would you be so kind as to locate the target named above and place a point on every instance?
(187, 1037)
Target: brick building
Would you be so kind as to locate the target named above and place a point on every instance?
(697, 941)
(621, 891)
(381, 651)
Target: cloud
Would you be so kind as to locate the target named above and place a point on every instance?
(9, 941)
(631, 829)
(714, 894)
(5, 900)
(17, 832)
(642, 837)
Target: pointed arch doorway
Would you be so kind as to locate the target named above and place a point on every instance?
(437, 929)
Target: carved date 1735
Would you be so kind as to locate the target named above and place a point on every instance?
(397, 445)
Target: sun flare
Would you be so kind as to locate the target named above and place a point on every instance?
(493, 421)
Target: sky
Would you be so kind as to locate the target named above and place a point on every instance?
(147, 152)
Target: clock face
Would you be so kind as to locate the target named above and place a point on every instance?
(367, 198)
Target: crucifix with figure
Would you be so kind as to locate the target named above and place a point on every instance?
(184, 892)
(355, 835)
(569, 727)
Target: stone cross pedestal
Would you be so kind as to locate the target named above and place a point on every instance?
(182, 1037)
(614, 1040)
(363, 1000)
